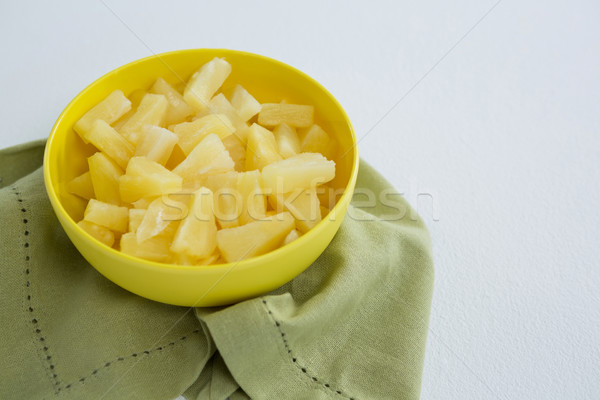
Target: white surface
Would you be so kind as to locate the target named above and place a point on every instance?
(503, 133)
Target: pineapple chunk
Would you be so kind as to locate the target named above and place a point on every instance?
(196, 235)
(107, 215)
(136, 98)
(178, 110)
(254, 238)
(156, 144)
(296, 115)
(303, 205)
(220, 105)
(142, 166)
(287, 140)
(82, 186)
(205, 82)
(194, 183)
(246, 105)
(100, 233)
(155, 249)
(146, 178)
(135, 218)
(262, 148)
(143, 203)
(254, 202)
(315, 140)
(293, 235)
(227, 199)
(303, 171)
(151, 111)
(110, 142)
(110, 109)
(157, 218)
(192, 133)
(236, 150)
(209, 157)
(184, 259)
(105, 175)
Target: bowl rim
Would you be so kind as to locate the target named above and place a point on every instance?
(250, 262)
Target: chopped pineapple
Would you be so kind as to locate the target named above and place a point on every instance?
(262, 148)
(110, 142)
(303, 171)
(82, 186)
(254, 238)
(135, 218)
(293, 235)
(236, 150)
(227, 199)
(220, 105)
(296, 115)
(107, 215)
(170, 231)
(155, 249)
(100, 233)
(192, 133)
(146, 178)
(287, 140)
(151, 111)
(142, 166)
(110, 109)
(205, 82)
(105, 175)
(254, 201)
(209, 157)
(136, 98)
(156, 144)
(194, 183)
(303, 205)
(143, 203)
(196, 235)
(184, 259)
(315, 140)
(246, 105)
(157, 218)
(209, 189)
(178, 110)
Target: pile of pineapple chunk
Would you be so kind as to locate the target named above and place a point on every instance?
(198, 177)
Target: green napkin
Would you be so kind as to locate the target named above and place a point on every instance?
(352, 326)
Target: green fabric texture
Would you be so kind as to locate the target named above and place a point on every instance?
(352, 326)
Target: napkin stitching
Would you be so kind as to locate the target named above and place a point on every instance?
(117, 360)
(48, 365)
(297, 363)
(46, 355)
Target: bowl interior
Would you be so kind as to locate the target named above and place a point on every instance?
(266, 79)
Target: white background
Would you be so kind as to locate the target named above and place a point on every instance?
(501, 131)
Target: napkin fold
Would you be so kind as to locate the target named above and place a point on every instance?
(352, 326)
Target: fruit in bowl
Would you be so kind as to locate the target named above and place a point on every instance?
(201, 177)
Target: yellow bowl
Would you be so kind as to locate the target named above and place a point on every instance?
(269, 81)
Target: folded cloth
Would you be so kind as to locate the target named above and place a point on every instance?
(352, 326)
